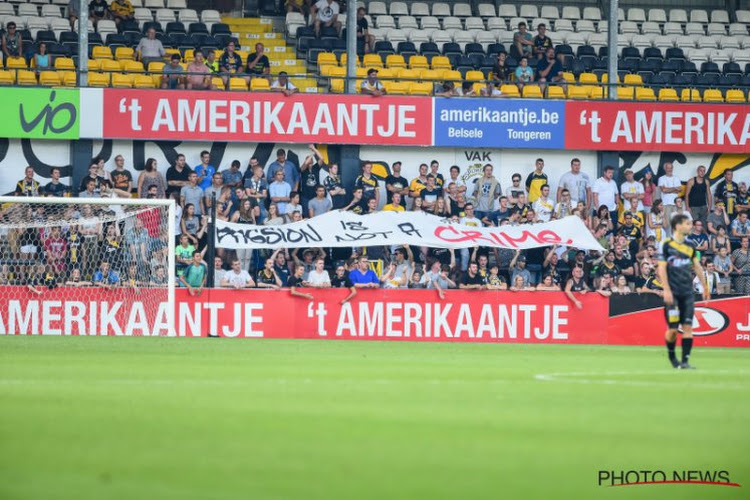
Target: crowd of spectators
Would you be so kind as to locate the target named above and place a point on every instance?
(630, 219)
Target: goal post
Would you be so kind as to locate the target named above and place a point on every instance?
(87, 266)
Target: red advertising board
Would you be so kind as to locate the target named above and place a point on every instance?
(717, 323)
(266, 117)
(635, 126)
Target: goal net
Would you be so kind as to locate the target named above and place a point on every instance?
(79, 266)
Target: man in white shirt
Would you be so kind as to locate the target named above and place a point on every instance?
(326, 13)
(468, 220)
(605, 193)
(577, 183)
(632, 190)
(237, 277)
(318, 277)
(283, 85)
(670, 187)
(543, 206)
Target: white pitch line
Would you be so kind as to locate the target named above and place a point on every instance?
(600, 378)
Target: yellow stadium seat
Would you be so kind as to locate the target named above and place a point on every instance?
(358, 86)
(124, 53)
(259, 85)
(49, 78)
(474, 76)
(68, 78)
(132, 66)
(633, 80)
(357, 63)
(510, 90)
(101, 52)
(605, 78)
(395, 61)
(712, 95)
(645, 94)
(325, 71)
(441, 62)
(690, 95)
(430, 75)
(532, 92)
(596, 92)
(327, 59)
(397, 88)
(7, 77)
(15, 63)
(555, 92)
(337, 86)
(477, 88)
(155, 67)
(189, 55)
(372, 61)
(625, 93)
(578, 92)
(361, 72)
(65, 63)
(408, 74)
(110, 65)
(122, 81)
(424, 88)
(735, 96)
(452, 74)
(26, 77)
(170, 52)
(588, 78)
(418, 62)
(217, 82)
(335, 71)
(99, 79)
(386, 73)
(236, 83)
(95, 64)
(668, 95)
(143, 82)
(569, 77)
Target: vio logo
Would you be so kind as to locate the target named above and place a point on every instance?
(709, 321)
(48, 116)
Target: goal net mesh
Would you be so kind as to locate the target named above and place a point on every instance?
(85, 268)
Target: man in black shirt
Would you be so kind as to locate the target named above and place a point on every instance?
(98, 10)
(395, 183)
(472, 280)
(258, 64)
(177, 176)
(676, 260)
(365, 41)
(56, 188)
(541, 41)
(549, 69)
(727, 191)
(309, 180)
(99, 182)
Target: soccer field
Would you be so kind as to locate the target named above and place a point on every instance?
(132, 418)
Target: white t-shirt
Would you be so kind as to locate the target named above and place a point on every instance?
(314, 278)
(237, 279)
(669, 182)
(607, 192)
(632, 188)
(544, 209)
(471, 221)
(289, 85)
(576, 184)
(327, 11)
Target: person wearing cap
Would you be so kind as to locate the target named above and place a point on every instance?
(371, 85)
(283, 85)
(291, 172)
(518, 268)
(173, 74)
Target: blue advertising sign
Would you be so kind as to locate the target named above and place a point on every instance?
(499, 123)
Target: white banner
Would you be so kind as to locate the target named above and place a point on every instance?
(346, 229)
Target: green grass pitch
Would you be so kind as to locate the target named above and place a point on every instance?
(155, 418)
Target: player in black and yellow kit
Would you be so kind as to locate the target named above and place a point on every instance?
(676, 259)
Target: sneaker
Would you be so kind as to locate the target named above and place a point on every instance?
(675, 363)
(686, 366)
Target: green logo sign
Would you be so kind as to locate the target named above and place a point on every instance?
(39, 113)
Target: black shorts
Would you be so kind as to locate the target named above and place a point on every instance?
(682, 311)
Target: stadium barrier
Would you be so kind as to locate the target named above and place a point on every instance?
(411, 315)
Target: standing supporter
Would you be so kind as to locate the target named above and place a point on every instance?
(219, 271)
(395, 183)
(430, 194)
(470, 220)
(418, 183)
(320, 204)
(486, 191)
(178, 176)
(194, 276)
(632, 190)
(434, 170)
(356, 205)
(544, 206)
(151, 178)
(655, 224)
(649, 190)
(500, 71)
(120, 177)
(291, 172)
(215, 187)
(698, 196)
(334, 188)
(296, 281)
(192, 194)
(536, 180)
(727, 191)
(605, 193)
(232, 176)
(326, 14)
(55, 188)
(670, 187)
(310, 176)
(205, 171)
(362, 276)
(565, 206)
(369, 184)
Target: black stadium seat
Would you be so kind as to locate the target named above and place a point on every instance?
(675, 53)
(194, 28)
(474, 48)
(710, 68)
(175, 27)
(46, 36)
(220, 29)
(495, 48)
(731, 68)
(652, 53)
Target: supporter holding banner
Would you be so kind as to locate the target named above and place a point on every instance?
(346, 229)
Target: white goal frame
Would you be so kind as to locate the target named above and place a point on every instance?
(169, 203)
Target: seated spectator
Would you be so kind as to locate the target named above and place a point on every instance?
(151, 178)
(211, 62)
(56, 188)
(173, 74)
(301, 6)
(258, 65)
(448, 89)
(523, 41)
(121, 10)
(326, 13)
(237, 277)
(12, 42)
(98, 10)
(121, 178)
(500, 72)
(41, 58)
(549, 70)
(230, 63)
(362, 276)
(195, 275)
(194, 226)
(365, 41)
(27, 186)
(198, 74)
(621, 286)
(712, 280)
(740, 226)
(371, 85)
(150, 49)
(524, 73)
(548, 284)
(283, 85)
(541, 41)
